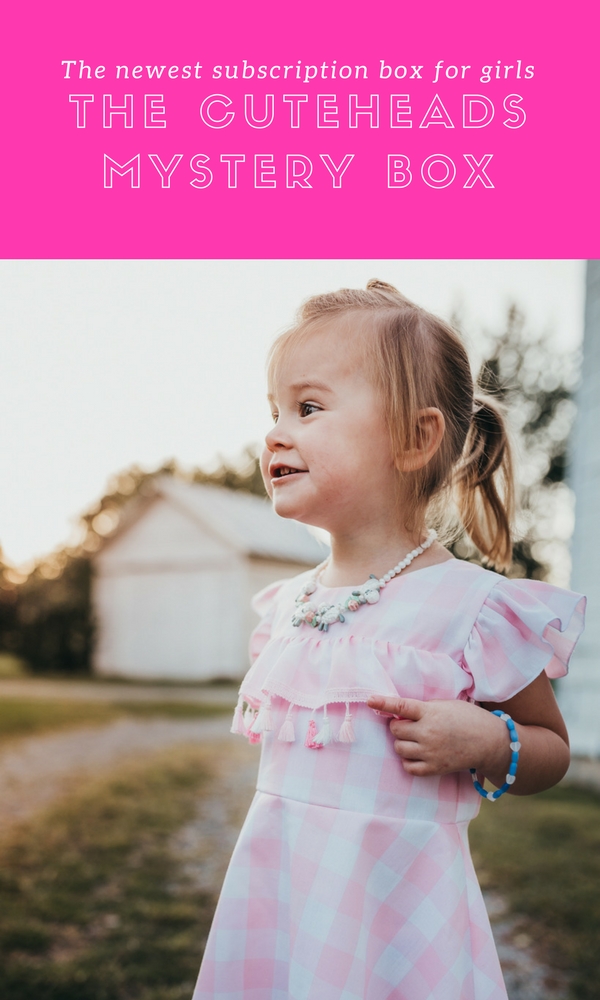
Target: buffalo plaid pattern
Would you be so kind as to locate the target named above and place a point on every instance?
(352, 880)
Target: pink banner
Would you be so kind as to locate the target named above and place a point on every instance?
(300, 130)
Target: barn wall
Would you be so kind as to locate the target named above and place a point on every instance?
(172, 601)
(168, 599)
(171, 626)
(579, 694)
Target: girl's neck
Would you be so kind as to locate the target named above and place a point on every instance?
(354, 558)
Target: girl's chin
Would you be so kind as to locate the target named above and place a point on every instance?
(284, 508)
(288, 506)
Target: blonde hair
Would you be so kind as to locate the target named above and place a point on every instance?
(417, 361)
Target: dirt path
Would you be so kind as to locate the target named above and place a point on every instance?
(204, 845)
(35, 770)
(526, 977)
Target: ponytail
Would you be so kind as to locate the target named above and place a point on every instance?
(484, 483)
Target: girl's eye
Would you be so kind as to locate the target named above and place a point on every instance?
(307, 408)
(275, 416)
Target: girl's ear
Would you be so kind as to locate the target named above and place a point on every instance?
(429, 431)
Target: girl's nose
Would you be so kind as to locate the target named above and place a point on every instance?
(278, 437)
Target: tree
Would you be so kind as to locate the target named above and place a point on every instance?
(54, 630)
(537, 382)
(8, 607)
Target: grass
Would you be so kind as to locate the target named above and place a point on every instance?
(93, 906)
(28, 716)
(12, 667)
(542, 853)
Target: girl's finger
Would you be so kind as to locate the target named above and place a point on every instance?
(418, 768)
(407, 750)
(404, 730)
(407, 708)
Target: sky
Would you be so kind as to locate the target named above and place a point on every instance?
(106, 363)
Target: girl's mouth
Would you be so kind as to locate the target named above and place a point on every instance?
(285, 470)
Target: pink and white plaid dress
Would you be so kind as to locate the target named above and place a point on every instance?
(352, 880)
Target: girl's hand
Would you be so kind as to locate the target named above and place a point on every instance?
(437, 737)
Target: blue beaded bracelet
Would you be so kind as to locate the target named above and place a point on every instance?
(515, 746)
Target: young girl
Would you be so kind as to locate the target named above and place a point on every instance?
(352, 878)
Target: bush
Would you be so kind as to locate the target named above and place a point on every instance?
(51, 626)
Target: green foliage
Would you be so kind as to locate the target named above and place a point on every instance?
(93, 903)
(8, 607)
(246, 476)
(543, 853)
(54, 628)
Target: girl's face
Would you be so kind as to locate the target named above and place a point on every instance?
(328, 459)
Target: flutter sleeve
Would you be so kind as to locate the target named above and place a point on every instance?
(264, 603)
(523, 628)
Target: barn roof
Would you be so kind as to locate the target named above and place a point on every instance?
(245, 521)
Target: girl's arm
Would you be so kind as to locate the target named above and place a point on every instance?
(437, 737)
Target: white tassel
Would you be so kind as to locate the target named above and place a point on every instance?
(323, 737)
(262, 722)
(286, 733)
(238, 725)
(346, 733)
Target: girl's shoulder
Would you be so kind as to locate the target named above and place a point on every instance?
(472, 589)
(495, 598)
(520, 628)
(503, 632)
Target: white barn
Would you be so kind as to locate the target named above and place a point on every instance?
(172, 587)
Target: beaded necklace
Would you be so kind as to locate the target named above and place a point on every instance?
(324, 615)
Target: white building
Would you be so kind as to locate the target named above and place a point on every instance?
(579, 695)
(172, 587)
